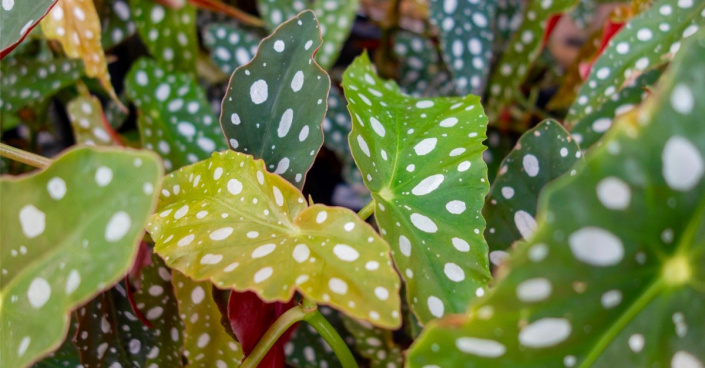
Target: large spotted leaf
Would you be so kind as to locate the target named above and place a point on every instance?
(336, 18)
(230, 45)
(174, 116)
(647, 41)
(109, 334)
(422, 160)
(206, 342)
(169, 34)
(88, 122)
(509, 19)
(421, 70)
(523, 50)
(73, 231)
(274, 12)
(75, 24)
(613, 275)
(228, 220)
(588, 130)
(275, 105)
(375, 344)
(541, 155)
(116, 22)
(17, 18)
(466, 39)
(26, 82)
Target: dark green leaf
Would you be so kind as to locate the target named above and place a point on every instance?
(17, 18)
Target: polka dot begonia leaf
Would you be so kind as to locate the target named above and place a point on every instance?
(206, 343)
(613, 274)
(275, 12)
(541, 155)
(522, 50)
(466, 33)
(230, 46)
(337, 125)
(76, 26)
(110, 335)
(67, 354)
(307, 349)
(422, 160)
(588, 130)
(174, 117)
(375, 344)
(88, 122)
(54, 257)
(648, 40)
(169, 34)
(17, 19)
(275, 105)
(230, 221)
(25, 82)
(116, 21)
(509, 18)
(422, 73)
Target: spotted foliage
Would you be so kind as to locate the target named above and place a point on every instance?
(17, 18)
(336, 19)
(174, 117)
(206, 342)
(230, 45)
(58, 258)
(541, 155)
(647, 41)
(422, 73)
(75, 24)
(466, 40)
(88, 122)
(116, 22)
(375, 344)
(275, 105)
(169, 34)
(307, 349)
(252, 222)
(604, 282)
(422, 160)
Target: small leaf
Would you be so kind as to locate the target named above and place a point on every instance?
(275, 104)
(26, 82)
(206, 343)
(336, 19)
(429, 183)
(251, 222)
(541, 155)
(647, 41)
(77, 227)
(116, 22)
(110, 333)
(613, 276)
(88, 122)
(466, 40)
(169, 34)
(230, 45)
(18, 18)
(174, 117)
(75, 24)
(375, 344)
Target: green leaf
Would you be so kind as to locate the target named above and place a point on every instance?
(646, 41)
(174, 116)
(613, 275)
(67, 354)
(522, 51)
(206, 343)
(421, 70)
(116, 22)
(230, 45)
(541, 155)
(275, 12)
(88, 123)
(509, 19)
(466, 40)
(110, 333)
(591, 127)
(307, 349)
(26, 82)
(429, 184)
(336, 19)
(251, 222)
(275, 105)
(498, 147)
(375, 344)
(77, 225)
(169, 34)
(17, 18)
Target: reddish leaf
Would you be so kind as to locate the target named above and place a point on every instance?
(550, 26)
(250, 318)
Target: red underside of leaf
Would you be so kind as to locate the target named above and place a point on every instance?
(610, 29)
(250, 318)
(9, 49)
(550, 26)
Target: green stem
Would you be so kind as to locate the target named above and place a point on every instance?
(324, 328)
(270, 337)
(24, 157)
(367, 211)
